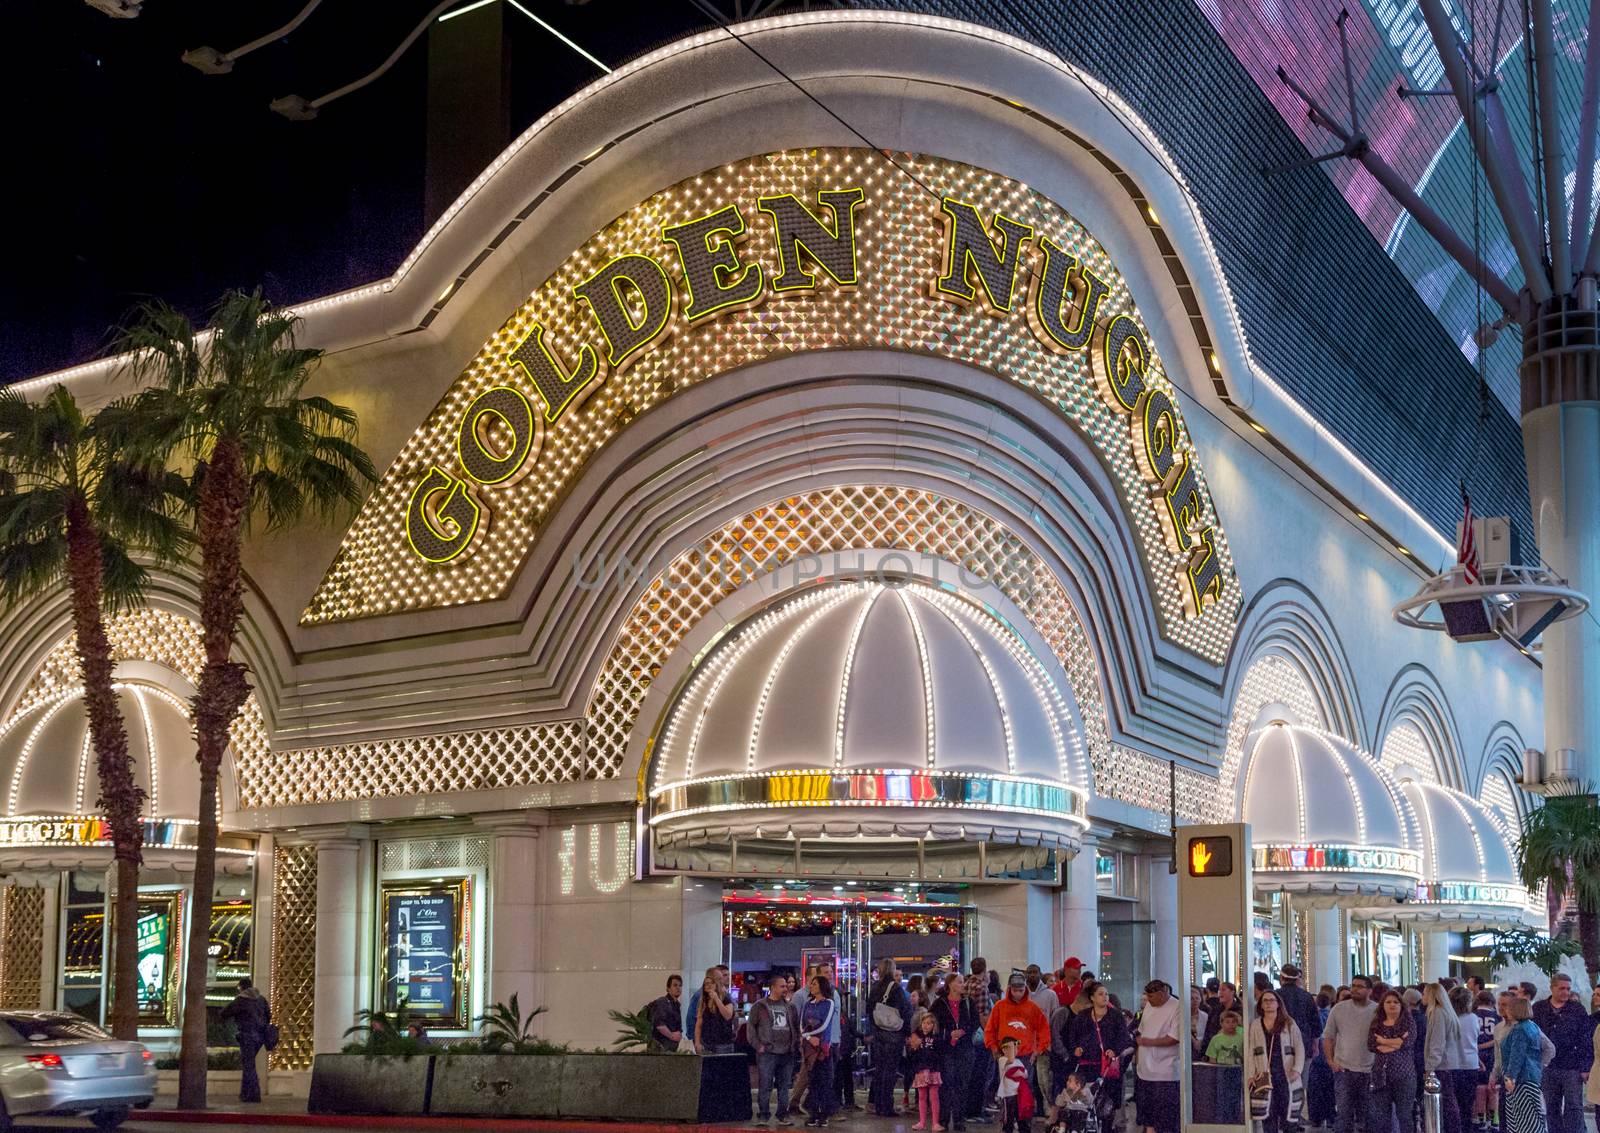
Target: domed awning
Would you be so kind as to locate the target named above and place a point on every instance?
(50, 819)
(1469, 874)
(1327, 823)
(890, 728)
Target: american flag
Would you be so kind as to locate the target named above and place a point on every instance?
(1467, 546)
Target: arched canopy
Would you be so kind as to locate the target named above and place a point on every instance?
(51, 817)
(880, 724)
(1327, 822)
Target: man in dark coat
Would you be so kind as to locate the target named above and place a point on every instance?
(1300, 1004)
(251, 1015)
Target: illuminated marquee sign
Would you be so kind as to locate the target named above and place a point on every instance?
(88, 830)
(632, 304)
(1336, 859)
(1471, 893)
(826, 249)
(868, 788)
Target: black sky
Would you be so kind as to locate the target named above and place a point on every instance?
(129, 174)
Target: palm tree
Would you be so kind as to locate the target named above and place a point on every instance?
(75, 509)
(1560, 846)
(229, 401)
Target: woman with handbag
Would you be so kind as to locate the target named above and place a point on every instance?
(887, 1012)
(1097, 1038)
(1274, 1061)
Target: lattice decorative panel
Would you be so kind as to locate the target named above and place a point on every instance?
(22, 947)
(157, 636)
(416, 765)
(434, 853)
(900, 248)
(294, 954)
(1405, 746)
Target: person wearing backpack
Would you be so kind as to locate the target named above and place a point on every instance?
(252, 1023)
(888, 1011)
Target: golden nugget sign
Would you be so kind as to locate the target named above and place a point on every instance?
(830, 249)
(631, 303)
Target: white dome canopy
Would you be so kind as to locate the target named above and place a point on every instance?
(47, 766)
(1325, 818)
(1469, 872)
(49, 815)
(866, 675)
(868, 710)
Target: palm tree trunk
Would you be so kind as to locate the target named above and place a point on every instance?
(120, 797)
(1589, 940)
(221, 692)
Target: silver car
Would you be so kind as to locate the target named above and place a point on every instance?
(56, 1063)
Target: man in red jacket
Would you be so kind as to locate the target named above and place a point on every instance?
(1067, 989)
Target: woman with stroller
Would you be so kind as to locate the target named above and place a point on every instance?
(1274, 1060)
(1096, 1040)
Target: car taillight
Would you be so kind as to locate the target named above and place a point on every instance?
(146, 1055)
(45, 1061)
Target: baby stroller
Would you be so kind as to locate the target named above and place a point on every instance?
(1090, 1110)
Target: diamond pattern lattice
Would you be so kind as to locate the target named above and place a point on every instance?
(416, 765)
(158, 636)
(294, 954)
(22, 947)
(900, 247)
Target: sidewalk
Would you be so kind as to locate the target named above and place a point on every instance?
(289, 1112)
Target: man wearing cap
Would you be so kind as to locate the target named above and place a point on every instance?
(1017, 1016)
(1155, 1094)
(1299, 1004)
(1071, 982)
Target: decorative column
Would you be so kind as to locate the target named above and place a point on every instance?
(514, 908)
(1435, 955)
(338, 982)
(1166, 961)
(1327, 951)
(1080, 909)
(1561, 440)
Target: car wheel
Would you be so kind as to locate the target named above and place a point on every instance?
(109, 1118)
(5, 1117)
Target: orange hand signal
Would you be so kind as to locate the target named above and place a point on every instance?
(1199, 857)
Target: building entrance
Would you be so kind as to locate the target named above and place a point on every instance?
(770, 928)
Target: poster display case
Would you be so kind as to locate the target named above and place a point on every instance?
(426, 949)
(159, 935)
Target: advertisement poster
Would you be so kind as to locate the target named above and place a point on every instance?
(422, 943)
(156, 936)
(154, 932)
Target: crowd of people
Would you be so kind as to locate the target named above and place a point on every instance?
(953, 1048)
(1360, 1056)
(1058, 1048)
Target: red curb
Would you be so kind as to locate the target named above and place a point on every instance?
(352, 1121)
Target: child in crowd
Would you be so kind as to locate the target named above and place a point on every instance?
(1014, 1094)
(1073, 1103)
(1226, 1047)
(925, 1057)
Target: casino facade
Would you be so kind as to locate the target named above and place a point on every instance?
(790, 546)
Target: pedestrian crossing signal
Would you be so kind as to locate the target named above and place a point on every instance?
(1211, 856)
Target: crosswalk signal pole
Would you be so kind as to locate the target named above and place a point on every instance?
(1214, 899)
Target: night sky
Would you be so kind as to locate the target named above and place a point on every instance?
(129, 174)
